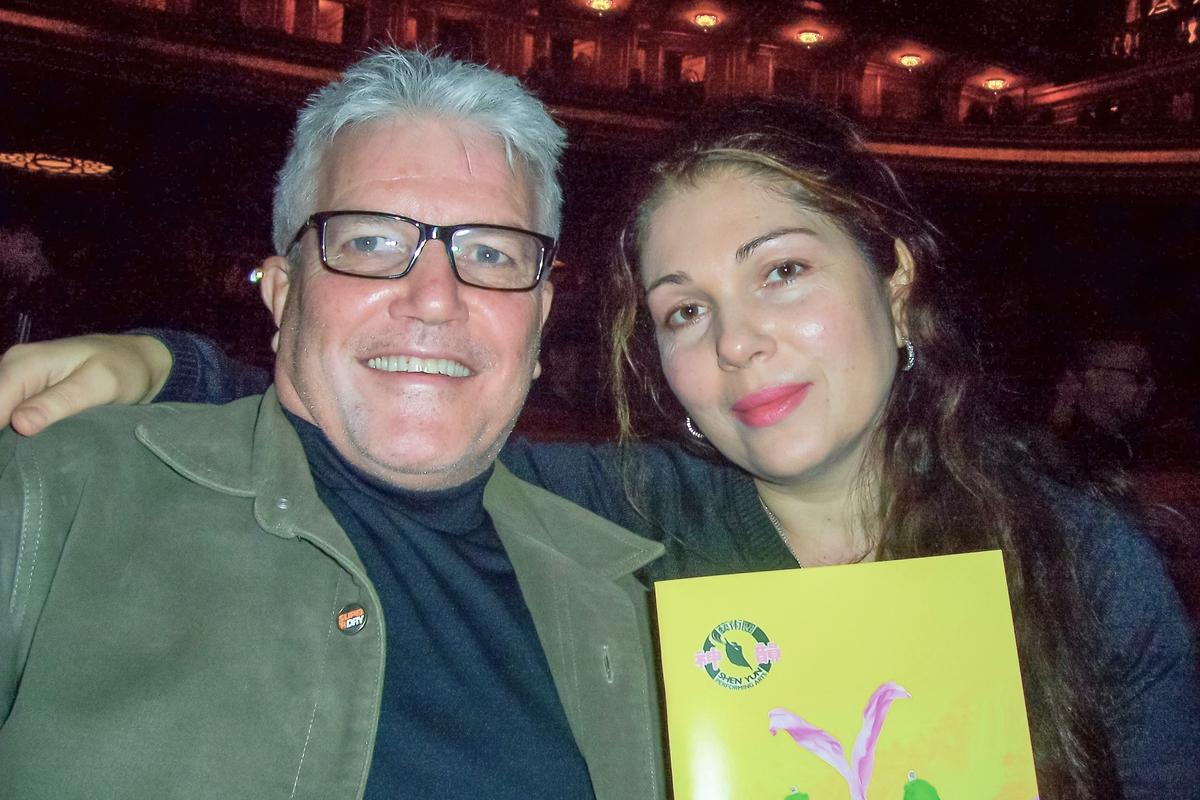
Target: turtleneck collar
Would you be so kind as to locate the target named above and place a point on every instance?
(457, 510)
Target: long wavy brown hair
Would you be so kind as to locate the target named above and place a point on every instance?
(950, 473)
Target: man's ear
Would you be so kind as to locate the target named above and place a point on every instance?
(273, 286)
(899, 286)
(547, 300)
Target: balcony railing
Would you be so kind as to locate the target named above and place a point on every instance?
(1108, 114)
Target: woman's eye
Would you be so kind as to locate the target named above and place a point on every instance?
(685, 315)
(785, 272)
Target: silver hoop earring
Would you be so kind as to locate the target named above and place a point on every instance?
(910, 355)
(687, 421)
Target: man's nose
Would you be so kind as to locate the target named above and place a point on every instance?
(430, 291)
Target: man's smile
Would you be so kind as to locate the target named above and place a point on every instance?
(428, 366)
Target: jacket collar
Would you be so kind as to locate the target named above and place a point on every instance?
(207, 446)
(531, 519)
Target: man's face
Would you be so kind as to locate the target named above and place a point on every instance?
(1117, 385)
(416, 380)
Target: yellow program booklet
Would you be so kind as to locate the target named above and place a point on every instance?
(886, 681)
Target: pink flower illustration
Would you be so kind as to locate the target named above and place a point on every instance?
(857, 772)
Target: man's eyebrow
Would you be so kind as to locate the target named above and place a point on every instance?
(749, 247)
(676, 278)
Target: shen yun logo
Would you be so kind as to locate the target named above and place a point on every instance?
(737, 654)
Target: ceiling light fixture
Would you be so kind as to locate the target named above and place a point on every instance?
(55, 165)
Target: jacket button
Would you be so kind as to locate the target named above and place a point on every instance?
(352, 619)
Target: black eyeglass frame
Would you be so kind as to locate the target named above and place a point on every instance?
(1138, 377)
(441, 233)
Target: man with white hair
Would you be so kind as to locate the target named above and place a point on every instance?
(332, 589)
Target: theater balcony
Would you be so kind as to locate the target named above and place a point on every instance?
(620, 73)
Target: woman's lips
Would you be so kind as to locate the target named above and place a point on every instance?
(768, 406)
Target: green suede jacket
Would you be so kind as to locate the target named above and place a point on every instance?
(169, 590)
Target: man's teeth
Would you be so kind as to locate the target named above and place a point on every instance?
(430, 366)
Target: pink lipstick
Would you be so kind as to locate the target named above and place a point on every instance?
(768, 406)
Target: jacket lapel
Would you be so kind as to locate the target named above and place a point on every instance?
(576, 574)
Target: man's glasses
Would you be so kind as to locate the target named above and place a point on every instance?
(371, 244)
(1136, 376)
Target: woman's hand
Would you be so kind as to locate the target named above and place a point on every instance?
(44, 382)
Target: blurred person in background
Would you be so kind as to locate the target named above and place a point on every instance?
(1102, 403)
(24, 275)
(1114, 441)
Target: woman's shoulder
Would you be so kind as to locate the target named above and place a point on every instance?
(1120, 569)
(676, 471)
(1093, 522)
(1109, 537)
(1146, 653)
(658, 489)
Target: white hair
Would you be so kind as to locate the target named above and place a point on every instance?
(392, 83)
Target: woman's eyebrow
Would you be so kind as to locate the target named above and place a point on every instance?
(745, 250)
(671, 277)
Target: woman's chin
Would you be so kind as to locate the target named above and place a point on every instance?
(781, 465)
(789, 462)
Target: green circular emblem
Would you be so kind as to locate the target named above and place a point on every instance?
(737, 654)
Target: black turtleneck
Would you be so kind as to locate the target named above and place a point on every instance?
(469, 707)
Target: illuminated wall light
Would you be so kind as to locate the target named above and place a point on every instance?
(910, 60)
(995, 84)
(808, 38)
(55, 165)
(600, 6)
(707, 21)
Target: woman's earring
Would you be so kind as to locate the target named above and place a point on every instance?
(910, 355)
(692, 428)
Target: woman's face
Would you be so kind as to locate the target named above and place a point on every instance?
(774, 331)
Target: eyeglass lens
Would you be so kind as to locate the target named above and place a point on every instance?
(377, 246)
(1137, 376)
